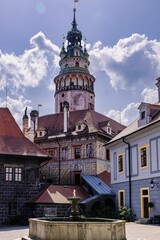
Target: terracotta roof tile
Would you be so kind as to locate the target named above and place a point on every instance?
(58, 194)
(12, 140)
(105, 177)
(54, 123)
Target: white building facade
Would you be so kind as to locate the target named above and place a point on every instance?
(135, 163)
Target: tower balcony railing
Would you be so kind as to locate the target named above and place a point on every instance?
(75, 87)
(74, 70)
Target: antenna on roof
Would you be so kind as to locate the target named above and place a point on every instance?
(39, 105)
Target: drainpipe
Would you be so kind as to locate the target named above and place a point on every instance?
(59, 162)
(129, 166)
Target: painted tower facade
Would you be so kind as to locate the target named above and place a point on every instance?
(74, 84)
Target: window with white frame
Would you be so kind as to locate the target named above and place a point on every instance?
(142, 115)
(121, 198)
(120, 163)
(18, 174)
(8, 173)
(143, 156)
(13, 174)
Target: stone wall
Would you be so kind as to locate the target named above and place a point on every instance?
(15, 194)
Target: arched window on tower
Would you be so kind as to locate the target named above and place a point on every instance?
(77, 64)
(61, 107)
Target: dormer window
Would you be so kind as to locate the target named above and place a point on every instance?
(142, 115)
(80, 126)
(41, 132)
(109, 130)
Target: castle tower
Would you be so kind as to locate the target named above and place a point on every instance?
(74, 84)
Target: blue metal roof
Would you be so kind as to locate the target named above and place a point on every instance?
(97, 184)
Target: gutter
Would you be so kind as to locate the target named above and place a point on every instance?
(129, 166)
(132, 133)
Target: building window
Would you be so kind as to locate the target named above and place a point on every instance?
(64, 153)
(107, 154)
(120, 163)
(144, 202)
(61, 107)
(143, 156)
(76, 177)
(77, 63)
(18, 174)
(121, 198)
(142, 115)
(77, 152)
(109, 130)
(9, 173)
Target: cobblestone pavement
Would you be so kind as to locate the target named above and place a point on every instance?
(133, 232)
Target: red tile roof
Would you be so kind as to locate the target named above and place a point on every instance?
(12, 140)
(54, 123)
(59, 194)
(105, 177)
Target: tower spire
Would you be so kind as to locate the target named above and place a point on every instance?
(74, 23)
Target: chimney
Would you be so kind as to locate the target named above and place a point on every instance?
(158, 86)
(34, 119)
(66, 116)
(25, 123)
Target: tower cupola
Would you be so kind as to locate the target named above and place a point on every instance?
(74, 36)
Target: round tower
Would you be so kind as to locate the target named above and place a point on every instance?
(74, 84)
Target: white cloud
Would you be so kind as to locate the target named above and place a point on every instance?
(132, 62)
(149, 95)
(16, 106)
(125, 116)
(30, 68)
(37, 64)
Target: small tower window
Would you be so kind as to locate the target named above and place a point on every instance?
(61, 107)
(77, 64)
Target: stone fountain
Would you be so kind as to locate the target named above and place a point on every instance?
(75, 228)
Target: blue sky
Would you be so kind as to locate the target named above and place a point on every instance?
(123, 40)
